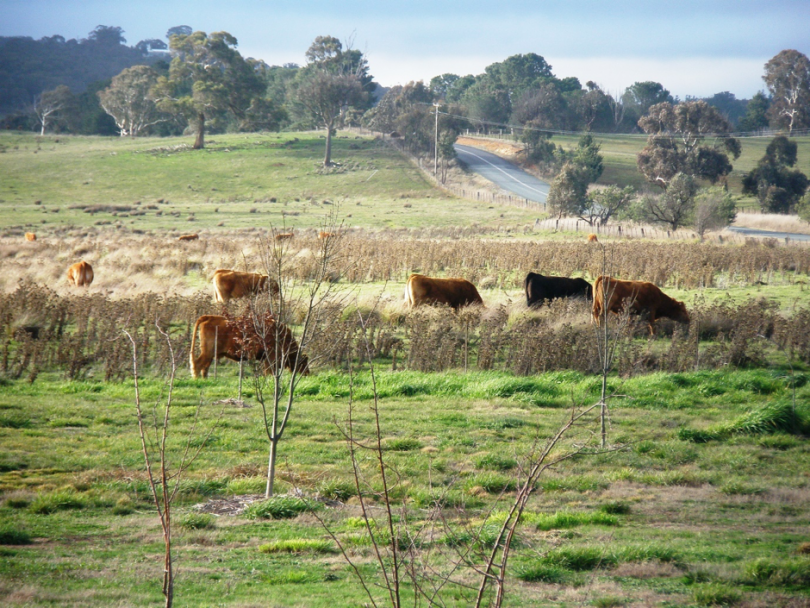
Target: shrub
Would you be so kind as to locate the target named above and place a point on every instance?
(779, 573)
(615, 508)
(298, 545)
(13, 536)
(715, 595)
(570, 519)
(123, 506)
(494, 461)
(60, 500)
(492, 483)
(337, 489)
(278, 507)
(197, 521)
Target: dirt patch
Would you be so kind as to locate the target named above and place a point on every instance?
(511, 151)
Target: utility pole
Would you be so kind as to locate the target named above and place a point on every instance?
(436, 144)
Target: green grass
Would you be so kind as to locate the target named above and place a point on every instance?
(238, 180)
(735, 509)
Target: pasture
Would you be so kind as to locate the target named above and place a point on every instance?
(700, 499)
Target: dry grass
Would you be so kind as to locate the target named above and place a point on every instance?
(775, 222)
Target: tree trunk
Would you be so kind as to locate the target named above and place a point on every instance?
(327, 159)
(271, 469)
(199, 143)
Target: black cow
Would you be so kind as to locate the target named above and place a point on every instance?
(539, 288)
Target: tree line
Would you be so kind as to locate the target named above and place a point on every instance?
(200, 83)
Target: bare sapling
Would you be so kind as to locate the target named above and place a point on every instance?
(539, 459)
(154, 430)
(608, 335)
(286, 323)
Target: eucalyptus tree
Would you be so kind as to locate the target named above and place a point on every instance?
(677, 143)
(333, 81)
(787, 76)
(207, 78)
(130, 102)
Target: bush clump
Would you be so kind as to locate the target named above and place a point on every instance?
(278, 507)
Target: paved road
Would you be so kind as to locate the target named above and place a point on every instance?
(503, 173)
(793, 236)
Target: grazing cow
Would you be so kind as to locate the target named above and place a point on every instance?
(80, 274)
(243, 339)
(592, 238)
(188, 237)
(539, 288)
(284, 236)
(234, 284)
(326, 235)
(453, 292)
(30, 236)
(613, 295)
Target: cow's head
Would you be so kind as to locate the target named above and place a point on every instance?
(679, 312)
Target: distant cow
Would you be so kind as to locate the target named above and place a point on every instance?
(30, 236)
(326, 235)
(234, 284)
(592, 238)
(284, 236)
(80, 274)
(613, 295)
(245, 339)
(188, 237)
(453, 292)
(539, 288)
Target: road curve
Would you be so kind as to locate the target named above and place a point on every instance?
(793, 236)
(503, 173)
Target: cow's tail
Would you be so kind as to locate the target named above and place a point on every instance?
(217, 295)
(193, 348)
(409, 293)
(598, 299)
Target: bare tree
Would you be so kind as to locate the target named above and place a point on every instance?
(284, 340)
(50, 104)
(164, 482)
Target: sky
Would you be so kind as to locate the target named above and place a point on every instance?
(692, 47)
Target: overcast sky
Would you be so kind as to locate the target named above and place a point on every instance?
(692, 47)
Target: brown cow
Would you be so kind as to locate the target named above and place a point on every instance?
(284, 236)
(640, 296)
(592, 238)
(240, 339)
(188, 237)
(30, 236)
(80, 274)
(453, 292)
(326, 235)
(234, 284)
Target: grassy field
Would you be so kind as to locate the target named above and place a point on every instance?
(237, 181)
(661, 521)
(700, 500)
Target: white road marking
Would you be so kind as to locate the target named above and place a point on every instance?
(545, 194)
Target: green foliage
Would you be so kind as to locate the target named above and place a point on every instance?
(615, 508)
(715, 595)
(124, 506)
(58, 500)
(10, 535)
(803, 208)
(778, 572)
(493, 483)
(773, 417)
(495, 461)
(774, 182)
(279, 507)
(337, 489)
(197, 521)
(571, 519)
(299, 545)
